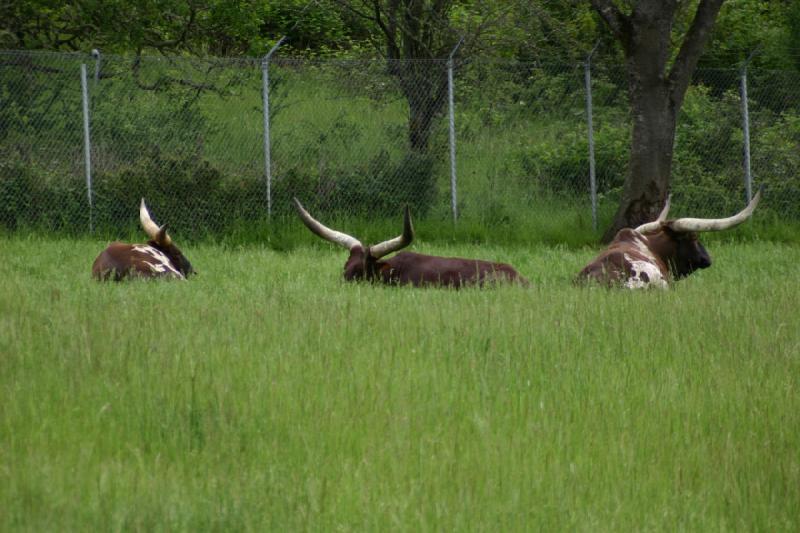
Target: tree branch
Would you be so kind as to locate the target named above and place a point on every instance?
(392, 49)
(613, 17)
(361, 14)
(692, 47)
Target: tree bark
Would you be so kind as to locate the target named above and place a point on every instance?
(424, 85)
(646, 42)
(656, 90)
(422, 78)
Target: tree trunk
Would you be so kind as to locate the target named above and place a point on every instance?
(424, 86)
(657, 83)
(419, 124)
(650, 164)
(422, 109)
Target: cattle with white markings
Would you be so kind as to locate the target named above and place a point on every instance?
(158, 258)
(656, 253)
(367, 263)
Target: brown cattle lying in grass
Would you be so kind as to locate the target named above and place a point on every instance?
(158, 258)
(367, 263)
(658, 252)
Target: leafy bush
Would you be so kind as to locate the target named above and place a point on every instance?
(185, 192)
(708, 175)
(521, 134)
(776, 164)
(375, 188)
(561, 166)
(33, 196)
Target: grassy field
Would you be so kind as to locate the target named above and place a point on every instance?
(268, 394)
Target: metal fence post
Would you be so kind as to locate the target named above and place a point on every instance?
(587, 78)
(96, 56)
(452, 121)
(748, 178)
(87, 144)
(265, 95)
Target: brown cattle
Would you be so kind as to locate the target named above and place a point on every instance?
(366, 263)
(657, 252)
(159, 258)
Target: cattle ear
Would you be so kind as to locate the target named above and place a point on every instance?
(161, 236)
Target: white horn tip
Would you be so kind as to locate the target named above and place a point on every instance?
(753, 202)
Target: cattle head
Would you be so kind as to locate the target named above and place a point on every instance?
(364, 261)
(655, 252)
(159, 258)
(160, 240)
(677, 241)
(685, 251)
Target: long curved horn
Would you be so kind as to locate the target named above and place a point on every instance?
(336, 237)
(654, 225)
(715, 224)
(151, 228)
(379, 250)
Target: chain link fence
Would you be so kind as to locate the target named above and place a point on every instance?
(211, 149)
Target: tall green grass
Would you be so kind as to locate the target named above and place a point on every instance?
(268, 394)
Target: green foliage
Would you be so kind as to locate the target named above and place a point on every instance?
(36, 96)
(492, 92)
(214, 27)
(777, 149)
(542, 30)
(744, 27)
(523, 167)
(196, 198)
(188, 192)
(35, 197)
(372, 189)
(708, 148)
(561, 165)
(793, 31)
(314, 29)
(708, 154)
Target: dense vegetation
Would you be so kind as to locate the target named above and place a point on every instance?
(339, 144)
(358, 138)
(523, 30)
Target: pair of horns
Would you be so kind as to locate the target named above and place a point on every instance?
(701, 224)
(156, 233)
(346, 241)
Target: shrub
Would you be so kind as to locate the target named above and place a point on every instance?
(33, 196)
(375, 188)
(561, 166)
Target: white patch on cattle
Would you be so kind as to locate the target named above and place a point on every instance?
(160, 264)
(654, 276)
